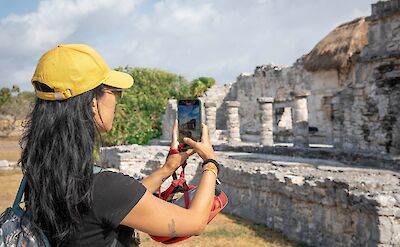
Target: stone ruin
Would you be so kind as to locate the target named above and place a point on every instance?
(311, 150)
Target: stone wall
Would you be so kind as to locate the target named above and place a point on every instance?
(366, 115)
(321, 202)
(277, 82)
(320, 212)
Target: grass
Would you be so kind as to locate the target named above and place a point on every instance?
(227, 231)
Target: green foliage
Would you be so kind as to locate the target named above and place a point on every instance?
(17, 106)
(14, 106)
(5, 95)
(138, 116)
(200, 85)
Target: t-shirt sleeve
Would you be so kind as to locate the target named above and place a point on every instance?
(114, 196)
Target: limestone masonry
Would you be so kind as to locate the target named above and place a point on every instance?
(317, 201)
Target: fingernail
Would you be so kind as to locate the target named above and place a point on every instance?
(185, 138)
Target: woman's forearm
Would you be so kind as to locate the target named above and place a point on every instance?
(154, 180)
(203, 199)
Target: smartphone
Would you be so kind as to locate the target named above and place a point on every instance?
(189, 120)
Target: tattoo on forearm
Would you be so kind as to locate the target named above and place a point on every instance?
(171, 227)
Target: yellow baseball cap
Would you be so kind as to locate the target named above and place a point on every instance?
(72, 69)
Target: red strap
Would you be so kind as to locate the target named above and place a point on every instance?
(168, 192)
(186, 195)
(173, 151)
(175, 183)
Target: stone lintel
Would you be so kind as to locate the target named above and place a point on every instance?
(264, 100)
(232, 103)
(359, 86)
(300, 93)
(210, 104)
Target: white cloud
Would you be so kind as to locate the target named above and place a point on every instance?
(190, 37)
(25, 37)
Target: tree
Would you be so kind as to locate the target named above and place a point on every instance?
(138, 116)
(14, 108)
(200, 85)
(5, 94)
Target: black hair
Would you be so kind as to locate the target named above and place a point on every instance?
(57, 159)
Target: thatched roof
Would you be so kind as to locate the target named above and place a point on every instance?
(335, 50)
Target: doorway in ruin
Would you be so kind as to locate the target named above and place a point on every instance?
(283, 127)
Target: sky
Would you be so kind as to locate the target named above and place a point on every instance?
(193, 38)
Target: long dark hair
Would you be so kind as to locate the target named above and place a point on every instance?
(57, 159)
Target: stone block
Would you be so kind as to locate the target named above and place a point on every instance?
(396, 232)
(384, 231)
(264, 100)
(232, 104)
(391, 211)
(300, 93)
(210, 105)
(385, 200)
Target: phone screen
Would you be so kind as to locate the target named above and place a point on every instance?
(189, 119)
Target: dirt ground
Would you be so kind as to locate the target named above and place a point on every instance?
(224, 230)
(9, 149)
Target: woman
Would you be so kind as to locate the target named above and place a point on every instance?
(76, 95)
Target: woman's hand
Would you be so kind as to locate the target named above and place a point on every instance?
(203, 148)
(176, 160)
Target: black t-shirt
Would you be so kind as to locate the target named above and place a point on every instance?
(114, 195)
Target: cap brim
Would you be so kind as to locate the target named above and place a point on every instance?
(119, 80)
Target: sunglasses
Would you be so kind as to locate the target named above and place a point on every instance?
(118, 92)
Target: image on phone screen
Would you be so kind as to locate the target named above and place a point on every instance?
(189, 119)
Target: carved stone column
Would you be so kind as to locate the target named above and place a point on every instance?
(168, 119)
(211, 116)
(300, 118)
(233, 123)
(267, 114)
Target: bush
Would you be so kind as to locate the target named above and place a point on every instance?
(138, 116)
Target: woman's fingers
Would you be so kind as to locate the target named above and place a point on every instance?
(175, 131)
(204, 133)
(190, 152)
(174, 139)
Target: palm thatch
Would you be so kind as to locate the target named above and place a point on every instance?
(335, 50)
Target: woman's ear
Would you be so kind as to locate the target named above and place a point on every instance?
(94, 107)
